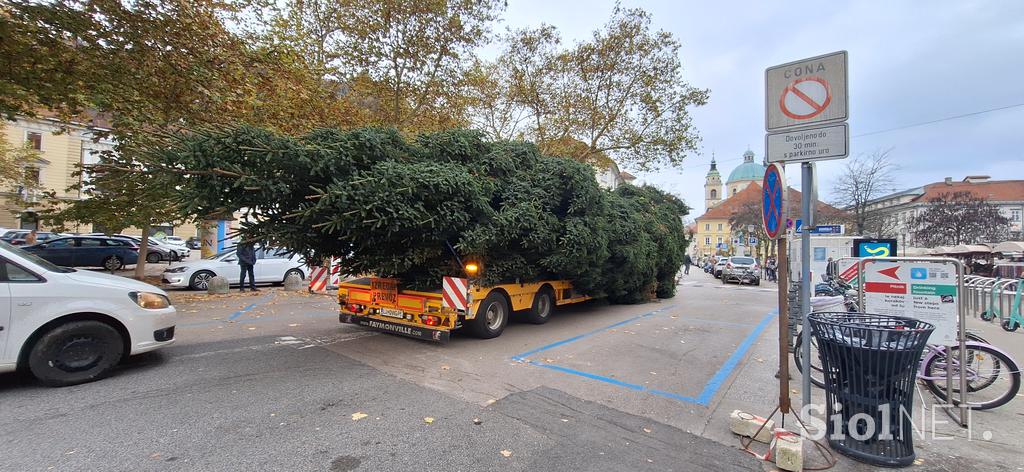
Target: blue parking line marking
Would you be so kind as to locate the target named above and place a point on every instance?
(711, 388)
(706, 395)
(523, 356)
(234, 316)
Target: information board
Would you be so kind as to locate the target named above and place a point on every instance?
(923, 290)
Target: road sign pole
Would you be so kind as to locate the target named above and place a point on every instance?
(782, 269)
(806, 180)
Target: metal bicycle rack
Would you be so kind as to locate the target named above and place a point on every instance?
(998, 299)
(984, 289)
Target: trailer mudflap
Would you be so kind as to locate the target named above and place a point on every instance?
(427, 334)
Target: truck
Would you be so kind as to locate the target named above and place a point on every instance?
(382, 304)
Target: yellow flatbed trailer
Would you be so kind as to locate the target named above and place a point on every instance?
(381, 304)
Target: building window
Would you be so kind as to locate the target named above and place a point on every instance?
(707, 241)
(719, 227)
(707, 226)
(32, 175)
(35, 140)
(714, 194)
(734, 191)
(1015, 215)
(719, 240)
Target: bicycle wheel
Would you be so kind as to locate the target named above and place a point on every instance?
(817, 374)
(993, 379)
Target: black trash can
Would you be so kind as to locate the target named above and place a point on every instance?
(870, 364)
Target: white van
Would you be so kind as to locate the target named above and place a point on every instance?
(69, 326)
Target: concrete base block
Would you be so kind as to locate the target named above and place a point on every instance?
(789, 451)
(218, 284)
(294, 283)
(746, 424)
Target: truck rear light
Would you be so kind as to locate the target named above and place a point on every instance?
(352, 307)
(431, 320)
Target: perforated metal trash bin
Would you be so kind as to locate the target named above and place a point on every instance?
(870, 363)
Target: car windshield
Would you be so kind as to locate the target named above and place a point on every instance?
(742, 260)
(220, 254)
(39, 261)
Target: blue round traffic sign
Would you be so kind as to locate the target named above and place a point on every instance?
(773, 191)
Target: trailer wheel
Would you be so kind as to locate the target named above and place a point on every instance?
(491, 317)
(543, 307)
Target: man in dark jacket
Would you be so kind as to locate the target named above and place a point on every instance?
(246, 260)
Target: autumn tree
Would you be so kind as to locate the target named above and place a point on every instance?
(621, 93)
(863, 179)
(151, 67)
(953, 218)
(403, 64)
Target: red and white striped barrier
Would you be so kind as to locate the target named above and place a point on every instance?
(324, 278)
(455, 293)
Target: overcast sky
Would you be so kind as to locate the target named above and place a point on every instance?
(910, 62)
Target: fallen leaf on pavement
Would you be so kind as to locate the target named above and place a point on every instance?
(565, 420)
(918, 461)
(292, 325)
(506, 453)
(477, 421)
(154, 455)
(358, 416)
(491, 401)
(444, 367)
(428, 420)
(252, 329)
(647, 430)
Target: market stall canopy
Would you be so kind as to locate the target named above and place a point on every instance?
(941, 250)
(917, 251)
(1009, 246)
(970, 249)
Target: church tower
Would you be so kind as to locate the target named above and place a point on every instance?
(712, 186)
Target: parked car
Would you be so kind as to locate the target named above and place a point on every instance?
(193, 243)
(18, 237)
(67, 326)
(176, 244)
(272, 267)
(717, 270)
(156, 251)
(87, 251)
(742, 269)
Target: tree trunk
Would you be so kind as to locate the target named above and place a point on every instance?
(140, 266)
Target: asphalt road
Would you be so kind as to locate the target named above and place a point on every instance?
(271, 381)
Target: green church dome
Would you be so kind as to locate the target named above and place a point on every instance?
(748, 170)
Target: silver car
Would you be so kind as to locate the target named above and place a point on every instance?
(742, 269)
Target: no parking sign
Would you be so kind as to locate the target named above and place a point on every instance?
(773, 190)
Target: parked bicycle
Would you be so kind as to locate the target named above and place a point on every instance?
(993, 377)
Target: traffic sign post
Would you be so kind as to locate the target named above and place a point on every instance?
(806, 105)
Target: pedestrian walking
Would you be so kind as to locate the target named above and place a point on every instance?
(32, 238)
(687, 262)
(772, 267)
(831, 269)
(246, 254)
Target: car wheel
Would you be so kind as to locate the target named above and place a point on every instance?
(543, 307)
(491, 317)
(200, 280)
(113, 263)
(76, 352)
(293, 272)
(757, 282)
(153, 257)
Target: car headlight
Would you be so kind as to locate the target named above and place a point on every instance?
(176, 270)
(149, 300)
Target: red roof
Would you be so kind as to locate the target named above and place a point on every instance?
(995, 190)
(751, 194)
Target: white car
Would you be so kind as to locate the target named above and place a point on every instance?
(272, 267)
(69, 326)
(177, 244)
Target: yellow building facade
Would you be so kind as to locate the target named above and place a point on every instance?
(60, 149)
